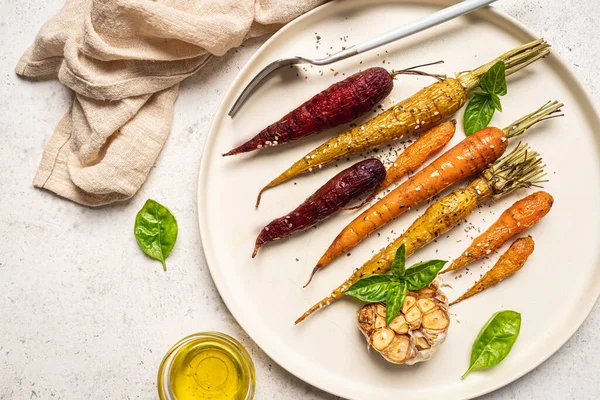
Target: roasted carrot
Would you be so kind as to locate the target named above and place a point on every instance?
(418, 113)
(413, 157)
(521, 168)
(340, 103)
(359, 179)
(464, 160)
(418, 152)
(510, 262)
(518, 218)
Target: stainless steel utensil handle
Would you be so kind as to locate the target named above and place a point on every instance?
(419, 25)
(398, 33)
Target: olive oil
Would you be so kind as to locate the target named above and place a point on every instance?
(209, 366)
(207, 371)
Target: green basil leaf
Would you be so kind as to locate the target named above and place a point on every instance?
(399, 264)
(496, 102)
(422, 274)
(393, 302)
(479, 112)
(371, 289)
(494, 80)
(155, 231)
(495, 340)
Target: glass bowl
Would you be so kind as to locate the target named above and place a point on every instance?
(206, 365)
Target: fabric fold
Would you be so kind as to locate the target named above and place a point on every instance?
(124, 59)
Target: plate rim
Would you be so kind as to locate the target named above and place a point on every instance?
(221, 112)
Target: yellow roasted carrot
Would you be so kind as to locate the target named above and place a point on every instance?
(416, 114)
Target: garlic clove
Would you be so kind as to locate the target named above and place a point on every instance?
(413, 317)
(382, 338)
(380, 322)
(427, 291)
(422, 343)
(399, 349)
(436, 320)
(399, 325)
(409, 301)
(425, 305)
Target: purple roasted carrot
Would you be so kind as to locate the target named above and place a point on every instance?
(340, 103)
(359, 179)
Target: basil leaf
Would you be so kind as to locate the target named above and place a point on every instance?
(399, 264)
(422, 274)
(495, 340)
(479, 112)
(494, 80)
(155, 231)
(496, 102)
(371, 289)
(395, 298)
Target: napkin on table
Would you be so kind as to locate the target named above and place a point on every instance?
(124, 60)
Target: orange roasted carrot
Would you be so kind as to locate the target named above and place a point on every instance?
(510, 262)
(519, 217)
(417, 153)
(520, 169)
(464, 160)
(413, 157)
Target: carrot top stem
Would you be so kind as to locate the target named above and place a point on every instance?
(514, 60)
(521, 168)
(521, 125)
(413, 71)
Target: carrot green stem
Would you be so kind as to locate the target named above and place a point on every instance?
(521, 125)
(521, 168)
(413, 71)
(514, 60)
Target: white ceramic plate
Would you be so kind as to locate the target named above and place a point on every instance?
(554, 292)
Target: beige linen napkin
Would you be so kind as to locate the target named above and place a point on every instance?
(124, 60)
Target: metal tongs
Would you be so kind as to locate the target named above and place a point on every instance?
(416, 26)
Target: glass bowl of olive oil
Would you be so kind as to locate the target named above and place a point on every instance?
(206, 366)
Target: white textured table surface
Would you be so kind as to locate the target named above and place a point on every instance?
(84, 314)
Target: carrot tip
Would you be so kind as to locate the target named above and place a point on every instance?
(258, 198)
(449, 269)
(260, 241)
(314, 271)
(270, 185)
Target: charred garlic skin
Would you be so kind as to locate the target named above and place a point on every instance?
(416, 332)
